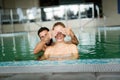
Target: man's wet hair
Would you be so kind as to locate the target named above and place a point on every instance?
(42, 29)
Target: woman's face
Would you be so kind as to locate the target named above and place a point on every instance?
(43, 34)
(59, 35)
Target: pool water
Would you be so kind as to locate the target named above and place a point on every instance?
(107, 45)
(101, 44)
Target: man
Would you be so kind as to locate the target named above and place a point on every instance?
(45, 40)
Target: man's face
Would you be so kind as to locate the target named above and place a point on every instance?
(43, 34)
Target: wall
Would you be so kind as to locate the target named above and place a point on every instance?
(34, 26)
(110, 11)
(20, 3)
(8, 4)
(26, 3)
(1, 4)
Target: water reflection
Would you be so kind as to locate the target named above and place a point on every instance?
(87, 38)
(20, 46)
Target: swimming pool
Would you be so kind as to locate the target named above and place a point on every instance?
(99, 49)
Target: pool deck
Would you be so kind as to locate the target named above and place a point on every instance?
(84, 69)
(83, 65)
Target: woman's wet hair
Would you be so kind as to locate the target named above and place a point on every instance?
(42, 29)
(58, 23)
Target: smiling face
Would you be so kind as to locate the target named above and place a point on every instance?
(42, 34)
(59, 35)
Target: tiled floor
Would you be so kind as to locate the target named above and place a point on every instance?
(61, 76)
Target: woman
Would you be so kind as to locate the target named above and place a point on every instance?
(61, 50)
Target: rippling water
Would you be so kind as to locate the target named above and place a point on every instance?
(93, 45)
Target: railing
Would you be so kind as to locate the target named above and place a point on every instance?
(62, 12)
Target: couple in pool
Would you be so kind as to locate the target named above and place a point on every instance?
(60, 49)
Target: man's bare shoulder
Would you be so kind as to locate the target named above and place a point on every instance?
(49, 47)
(53, 44)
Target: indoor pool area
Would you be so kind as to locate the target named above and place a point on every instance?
(98, 49)
(101, 43)
(95, 23)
